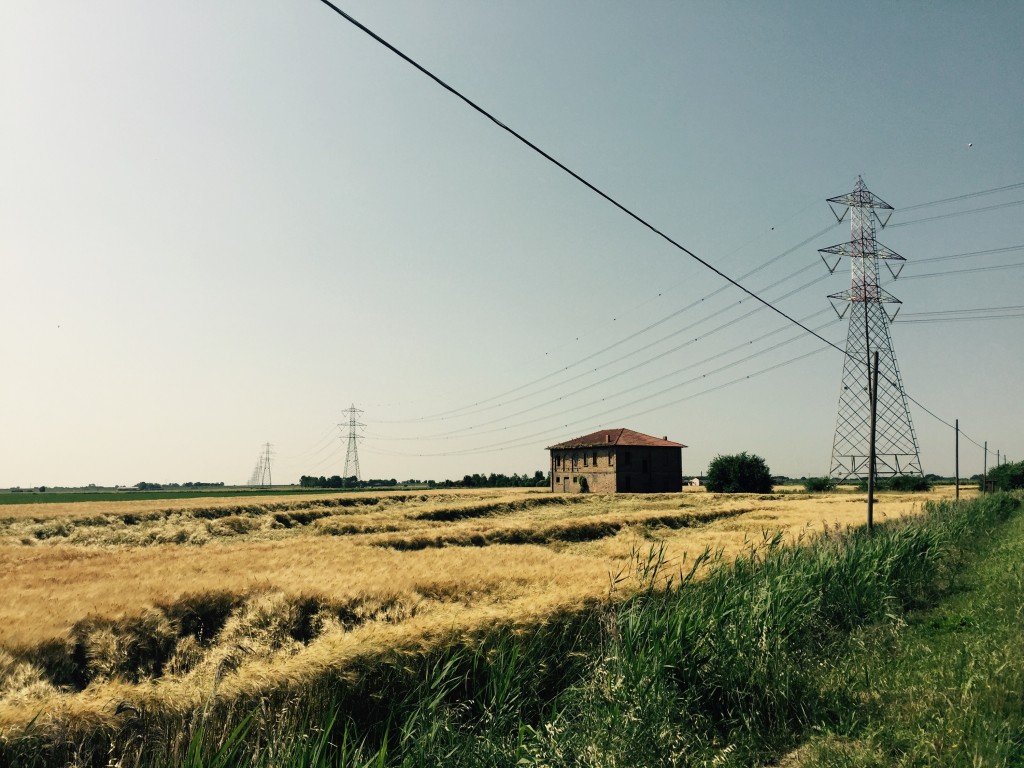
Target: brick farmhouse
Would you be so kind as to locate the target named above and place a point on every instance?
(617, 461)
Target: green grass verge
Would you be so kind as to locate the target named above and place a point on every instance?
(946, 688)
(767, 652)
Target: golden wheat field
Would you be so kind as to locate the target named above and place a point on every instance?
(172, 602)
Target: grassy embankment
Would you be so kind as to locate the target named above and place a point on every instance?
(732, 669)
(946, 687)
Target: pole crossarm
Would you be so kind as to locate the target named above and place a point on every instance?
(853, 249)
(861, 198)
(857, 293)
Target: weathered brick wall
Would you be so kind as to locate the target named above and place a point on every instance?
(602, 481)
(597, 465)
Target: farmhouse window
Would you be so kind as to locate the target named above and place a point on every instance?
(575, 479)
(595, 458)
(575, 461)
(558, 460)
(585, 460)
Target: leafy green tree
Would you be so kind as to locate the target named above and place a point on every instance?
(1008, 476)
(739, 473)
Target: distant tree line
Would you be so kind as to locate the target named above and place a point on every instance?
(166, 486)
(493, 480)
(337, 481)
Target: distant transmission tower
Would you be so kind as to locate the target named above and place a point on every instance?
(896, 450)
(257, 472)
(261, 473)
(265, 479)
(352, 455)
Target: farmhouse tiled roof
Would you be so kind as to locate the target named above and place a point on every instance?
(620, 436)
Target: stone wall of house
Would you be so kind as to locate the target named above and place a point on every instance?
(597, 465)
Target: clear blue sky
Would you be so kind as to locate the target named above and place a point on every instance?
(223, 223)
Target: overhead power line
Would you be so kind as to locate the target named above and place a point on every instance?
(956, 198)
(626, 210)
(489, 403)
(962, 311)
(475, 430)
(331, 458)
(531, 439)
(957, 213)
(969, 254)
(596, 190)
(934, 415)
(702, 336)
(968, 270)
(1007, 316)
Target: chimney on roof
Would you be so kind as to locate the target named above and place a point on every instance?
(665, 438)
(607, 437)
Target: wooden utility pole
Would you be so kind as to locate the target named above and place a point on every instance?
(984, 468)
(871, 443)
(956, 463)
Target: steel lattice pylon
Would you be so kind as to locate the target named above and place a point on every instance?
(352, 455)
(261, 475)
(896, 451)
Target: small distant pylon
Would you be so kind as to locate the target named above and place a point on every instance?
(896, 451)
(266, 479)
(261, 475)
(352, 454)
(257, 471)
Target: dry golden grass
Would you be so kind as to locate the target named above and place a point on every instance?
(96, 599)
